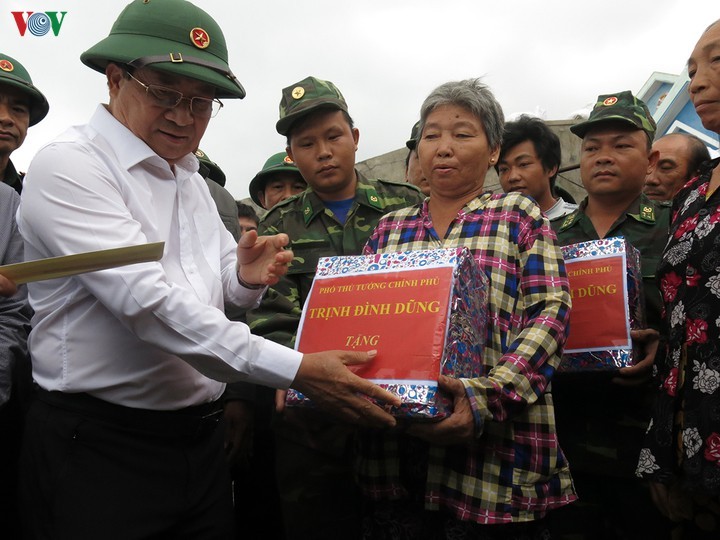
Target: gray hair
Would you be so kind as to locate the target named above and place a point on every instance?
(474, 96)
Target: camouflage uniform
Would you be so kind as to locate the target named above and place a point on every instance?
(314, 232)
(601, 424)
(314, 469)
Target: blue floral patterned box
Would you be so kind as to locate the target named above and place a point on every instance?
(607, 303)
(425, 312)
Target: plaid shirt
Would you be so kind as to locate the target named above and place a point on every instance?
(515, 471)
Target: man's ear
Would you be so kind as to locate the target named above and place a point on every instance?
(356, 137)
(114, 74)
(652, 161)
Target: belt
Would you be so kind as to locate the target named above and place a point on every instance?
(188, 423)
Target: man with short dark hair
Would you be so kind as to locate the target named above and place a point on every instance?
(335, 216)
(680, 157)
(278, 180)
(602, 416)
(529, 162)
(124, 439)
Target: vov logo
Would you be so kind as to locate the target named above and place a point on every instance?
(38, 23)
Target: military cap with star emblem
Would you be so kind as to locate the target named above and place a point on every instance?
(14, 74)
(302, 98)
(276, 163)
(168, 35)
(619, 107)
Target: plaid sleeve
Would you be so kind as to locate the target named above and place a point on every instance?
(533, 303)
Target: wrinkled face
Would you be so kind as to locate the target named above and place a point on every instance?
(614, 161)
(520, 169)
(323, 147)
(454, 153)
(414, 174)
(246, 224)
(170, 133)
(671, 171)
(14, 118)
(704, 73)
(279, 187)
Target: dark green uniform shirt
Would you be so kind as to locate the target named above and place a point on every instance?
(601, 424)
(315, 232)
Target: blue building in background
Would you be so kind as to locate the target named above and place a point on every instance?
(669, 102)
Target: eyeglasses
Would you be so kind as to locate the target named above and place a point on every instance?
(169, 98)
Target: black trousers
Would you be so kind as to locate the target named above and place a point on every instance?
(90, 470)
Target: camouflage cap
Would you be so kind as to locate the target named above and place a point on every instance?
(13, 73)
(302, 98)
(411, 143)
(276, 163)
(622, 107)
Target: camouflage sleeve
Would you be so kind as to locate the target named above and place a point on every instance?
(278, 315)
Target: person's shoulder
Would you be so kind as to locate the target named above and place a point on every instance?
(394, 188)
(653, 212)
(512, 202)
(283, 209)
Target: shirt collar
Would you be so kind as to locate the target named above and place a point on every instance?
(129, 149)
(365, 195)
(641, 209)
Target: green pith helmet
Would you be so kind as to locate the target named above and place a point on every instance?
(169, 35)
(411, 143)
(210, 169)
(302, 98)
(276, 163)
(621, 107)
(14, 74)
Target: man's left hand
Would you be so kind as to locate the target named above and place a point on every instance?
(263, 260)
(641, 371)
(458, 428)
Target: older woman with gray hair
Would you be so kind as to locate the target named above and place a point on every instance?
(492, 469)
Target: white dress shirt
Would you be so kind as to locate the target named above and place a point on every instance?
(149, 335)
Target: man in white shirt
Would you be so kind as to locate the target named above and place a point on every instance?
(529, 162)
(122, 440)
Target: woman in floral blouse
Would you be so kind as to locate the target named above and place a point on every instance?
(682, 457)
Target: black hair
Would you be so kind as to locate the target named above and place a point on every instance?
(545, 141)
(245, 210)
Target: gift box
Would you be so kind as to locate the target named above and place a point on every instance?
(425, 312)
(607, 302)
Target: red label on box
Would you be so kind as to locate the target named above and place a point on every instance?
(598, 319)
(403, 315)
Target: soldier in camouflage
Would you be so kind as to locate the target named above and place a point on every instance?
(335, 216)
(601, 418)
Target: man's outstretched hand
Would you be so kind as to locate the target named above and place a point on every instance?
(325, 379)
(263, 260)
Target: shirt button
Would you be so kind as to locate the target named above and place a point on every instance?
(703, 212)
(690, 271)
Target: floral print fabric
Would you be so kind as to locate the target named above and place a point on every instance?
(684, 435)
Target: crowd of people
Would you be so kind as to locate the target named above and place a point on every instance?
(148, 401)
